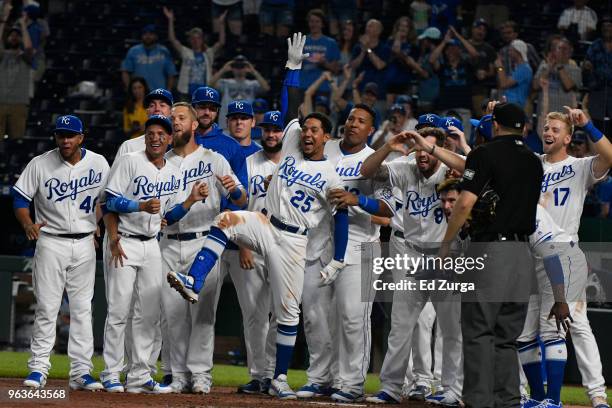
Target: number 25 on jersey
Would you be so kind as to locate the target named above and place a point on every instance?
(301, 201)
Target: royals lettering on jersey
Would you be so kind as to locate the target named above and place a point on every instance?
(134, 177)
(65, 196)
(201, 165)
(258, 168)
(564, 188)
(424, 221)
(297, 193)
(348, 167)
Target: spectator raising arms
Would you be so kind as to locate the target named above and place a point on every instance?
(197, 59)
(134, 112)
(238, 87)
(149, 60)
(485, 74)
(16, 53)
(323, 51)
(401, 64)
(429, 83)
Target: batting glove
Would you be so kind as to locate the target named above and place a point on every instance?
(294, 52)
(330, 272)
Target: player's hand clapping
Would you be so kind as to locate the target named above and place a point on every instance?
(295, 54)
(32, 231)
(151, 206)
(117, 253)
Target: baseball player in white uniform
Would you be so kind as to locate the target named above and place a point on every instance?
(251, 278)
(63, 184)
(559, 262)
(191, 327)
(352, 306)
(141, 188)
(424, 227)
(564, 187)
(158, 102)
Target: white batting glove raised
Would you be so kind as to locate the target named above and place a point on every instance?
(330, 272)
(295, 47)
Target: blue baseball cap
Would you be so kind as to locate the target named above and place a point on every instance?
(260, 105)
(273, 118)
(205, 94)
(240, 107)
(484, 126)
(159, 93)
(69, 123)
(149, 28)
(451, 121)
(428, 120)
(454, 41)
(161, 120)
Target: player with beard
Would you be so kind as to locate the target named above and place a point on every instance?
(251, 276)
(206, 102)
(191, 327)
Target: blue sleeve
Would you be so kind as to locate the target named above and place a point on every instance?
(554, 270)
(19, 201)
(341, 222)
(120, 204)
(291, 95)
(333, 52)
(128, 62)
(176, 214)
(522, 74)
(238, 165)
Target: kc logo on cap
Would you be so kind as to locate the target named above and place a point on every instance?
(239, 105)
(274, 116)
(69, 123)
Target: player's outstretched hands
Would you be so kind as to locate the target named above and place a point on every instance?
(295, 49)
(227, 182)
(246, 258)
(577, 116)
(151, 206)
(32, 231)
(342, 198)
(117, 253)
(199, 191)
(330, 272)
(560, 311)
(397, 143)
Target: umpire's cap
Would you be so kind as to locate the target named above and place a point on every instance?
(509, 115)
(205, 94)
(161, 120)
(159, 93)
(68, 124)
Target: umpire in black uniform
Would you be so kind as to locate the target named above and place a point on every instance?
(500, 188)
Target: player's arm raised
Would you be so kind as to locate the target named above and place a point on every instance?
(451, 159)
(600, 142)
(373, 166)
(291, 94)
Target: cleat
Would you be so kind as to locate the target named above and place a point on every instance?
(180, 386)
(419, 393)
(183, 284)
(265, 386)
(200, 384)
(600, 402)
(167, 380)
(346, 396)
(150, 387)
(113, 385)
(548, 403)
(35, 379)
(311, 390)
(85, 382)
(281, 389)
(382, 398)
(252, 387)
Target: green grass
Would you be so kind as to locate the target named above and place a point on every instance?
(14, 364)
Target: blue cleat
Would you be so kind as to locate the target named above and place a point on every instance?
(382, 398)
(183, 284)
(85, 382)
(35, 379)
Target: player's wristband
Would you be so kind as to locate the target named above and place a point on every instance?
(370, 205)
(594, 134)
(292, 79)
(176, 214)
(235, 194)
(121, 205)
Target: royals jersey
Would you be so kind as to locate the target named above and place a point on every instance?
(547, 234)
(201, 165)
(424, 220)
(564, 189)
(297, 194)
(348, 167)
(134, 177)
(64, 195)
(258, 168)
(131, 145)
(397, 221)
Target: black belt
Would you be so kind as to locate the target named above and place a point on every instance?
(186, 236)
(74, 236)
(286, 227)
(398, 234)
(138, 237)
(424, 251)
(492, 236)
